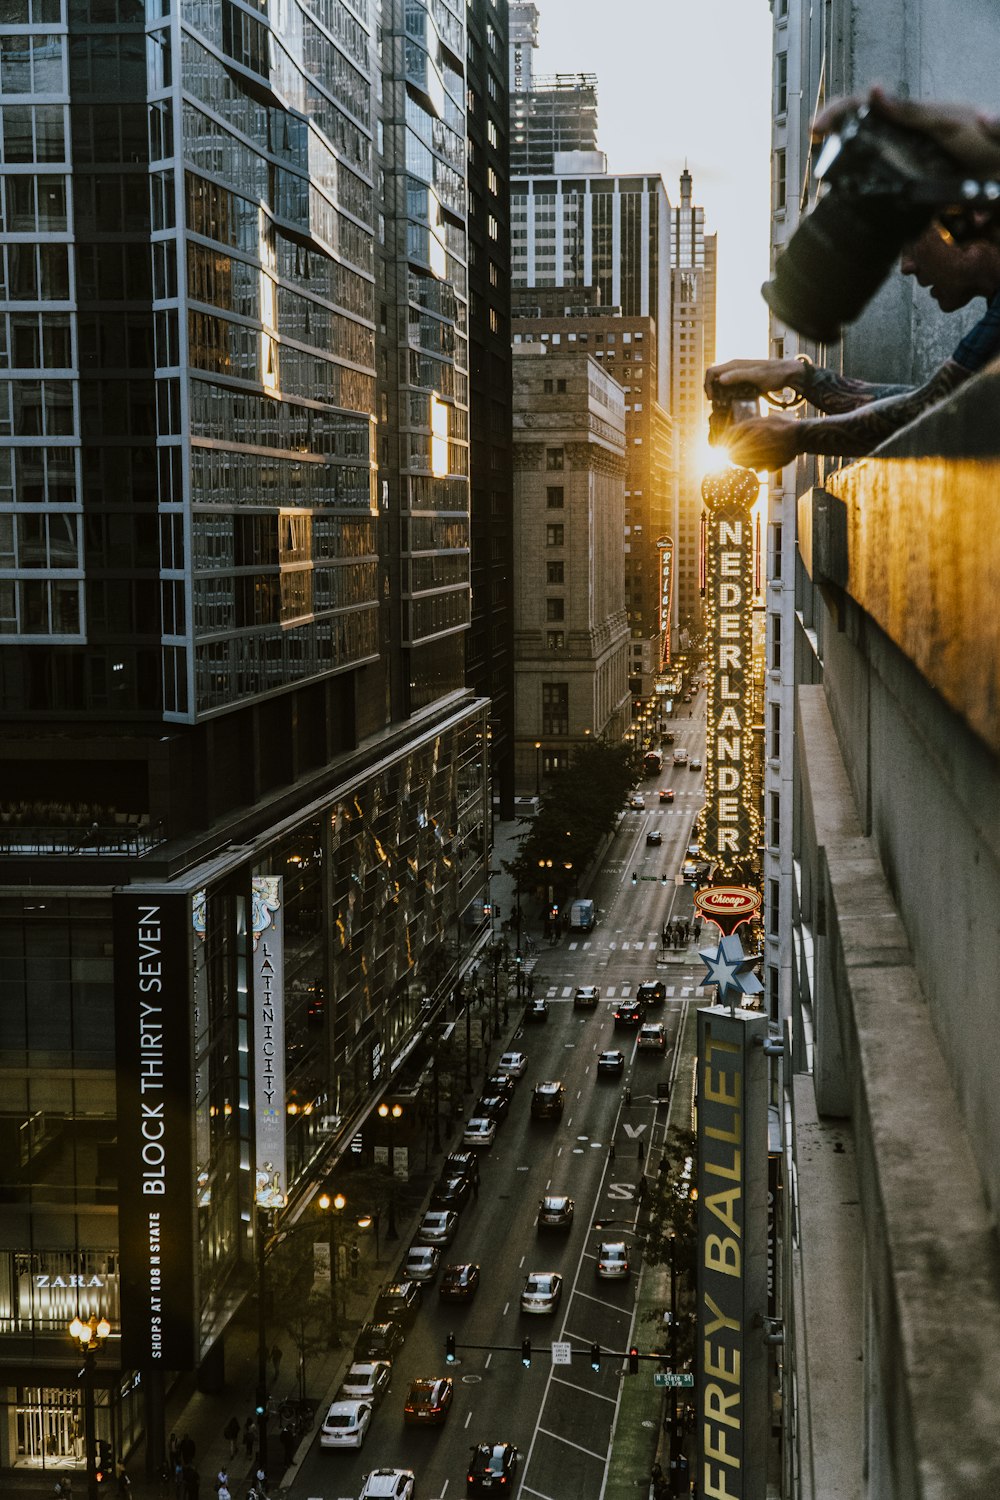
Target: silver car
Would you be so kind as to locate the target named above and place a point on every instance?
(612, 1260)
(512, 1065)
(542, 1291)
(437, 1227)
(422, 1263)
(366, 1382)
(479, 1132)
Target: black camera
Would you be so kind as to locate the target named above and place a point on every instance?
(731, 404)
(886, 184)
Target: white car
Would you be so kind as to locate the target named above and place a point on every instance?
(437, 1227)
(389, 1484)
(637, 801)
(612, 1260)
(512, 1065)
(479, 1132)
(366, 1382)
(422, 1263)
(652, 1036)
(542, 1291)
(345, 1424)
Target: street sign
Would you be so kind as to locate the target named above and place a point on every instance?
(562, 1354)
(669, 1378)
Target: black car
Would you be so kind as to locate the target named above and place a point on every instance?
(452, 1192)
(611, 1064)
(629, 1013)
(491, 1469)
(654, 837)
(378, 1341)
(461, 1164)
(498, 1083)
(494, 1107)
(651, 992)
(536, 1010)
(398, 1302)
(459, 1282)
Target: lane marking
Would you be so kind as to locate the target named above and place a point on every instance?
(556, 1380)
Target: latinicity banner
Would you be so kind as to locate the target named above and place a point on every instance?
(732, 1354)
(153, 1055)
(269, 1041)
(730, 819)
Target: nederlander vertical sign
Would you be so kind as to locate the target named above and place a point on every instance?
(732, 1357)
(152, 931)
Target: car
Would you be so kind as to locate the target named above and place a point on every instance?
(651, 992)
(629, 1013)
(612, 1260)
(479, 1131)
(689, 871)
(513, 1065)
(541, 1292)
(548, 1098)
(555, 1211)
(652, 1037)
(459, 1282)
(536, 1010)
(499, 1083)
(378, 1341)
(694, 764)
(398, 1302)
(366, 1381)
(346, 1424)
(437, 1227)
(680, 756)
(587, 996)
(693, 851)
(687, 697)
(422, 1262)
(491, 1469)
(611, 1064)
(666, 794)
(669, 737)
(494, 1107)
(637, 802)
(389, 1484)
(654, 838)
(452, 1192)
(428, 1402)
(461, 1164)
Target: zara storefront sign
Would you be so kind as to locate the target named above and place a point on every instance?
(153, 1053)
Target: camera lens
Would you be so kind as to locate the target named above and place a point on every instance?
(836, 261)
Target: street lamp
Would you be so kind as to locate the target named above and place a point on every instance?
(538, 768)
(393, 1112)
(333, 1206)
(90, 1336)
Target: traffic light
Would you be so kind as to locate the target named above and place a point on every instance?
(449, 1348)
(518, 958)
(526, 1353)
(635, 878)
(595, 1356)
(487, 909)
(663, 878)
(633, 1361)
(260, 1403)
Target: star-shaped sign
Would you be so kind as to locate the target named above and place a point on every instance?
(731, 969)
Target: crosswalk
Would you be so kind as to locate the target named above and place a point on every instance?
(634, 945)
(623, 991)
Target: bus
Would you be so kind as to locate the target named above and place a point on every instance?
(652, 762)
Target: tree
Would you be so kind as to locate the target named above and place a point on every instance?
(577, 810)
(673, 1208)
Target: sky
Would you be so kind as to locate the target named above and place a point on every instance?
(685, 81)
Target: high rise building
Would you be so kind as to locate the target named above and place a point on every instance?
(692, 282)
(241, 768)
(548, 115)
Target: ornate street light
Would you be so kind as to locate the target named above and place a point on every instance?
(394, 1112)
(333, 1206)
(90, 1336)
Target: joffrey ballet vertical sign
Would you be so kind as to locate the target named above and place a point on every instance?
(269, 1041)
(730, 818)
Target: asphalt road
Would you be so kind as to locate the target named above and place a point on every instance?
(560, 1416)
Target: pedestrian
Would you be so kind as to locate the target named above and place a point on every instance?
(261, 1484)
(124, 1483)
(173, 1451)
(192, 1481)
(223, 1492)
(628, 1094)
(288, 1444)
(642, 1153)
(231, 1432)
(249, 1436)
(611, 1152)
(187, 1450)
(642, 1189)
(222, 1480)
(275, 1360)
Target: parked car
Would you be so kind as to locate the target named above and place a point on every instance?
(666, 794)
(428, 1402)
(542, 1292)
(652, 1037)
(548, 1099)
(654, 837)
(452, 1192)
(512, 1065)
(689, 870)
(366, 1381)
(398, 1302)
(536, 1010)
(388, 1484)
(629, 1013)
(479, 1131)
(587, 996)
(346, 1424)
(612, 1260)
(460, 1282)
(378, 1341)
(494, 1107)
(499, 1083)
(461, 1164)
(651, 992)
(437, 1227)
(555, 1211)
(491, 1469)
(611, 1063)
(422, 1262)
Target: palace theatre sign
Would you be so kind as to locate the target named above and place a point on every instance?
(730, 819)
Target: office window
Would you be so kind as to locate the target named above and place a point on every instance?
(555, 640)
(561, 387)
(776, 552)
(555, 458)
(773, 908)
(778, 163)
(547, 387)
(781, 83)
(555, 572)
(555, 708)
(554, 536)
(493, 227)
(774, 731)
(555, 609)
(554, 497)
(492, 134)
(773, 819)
(775, 643)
